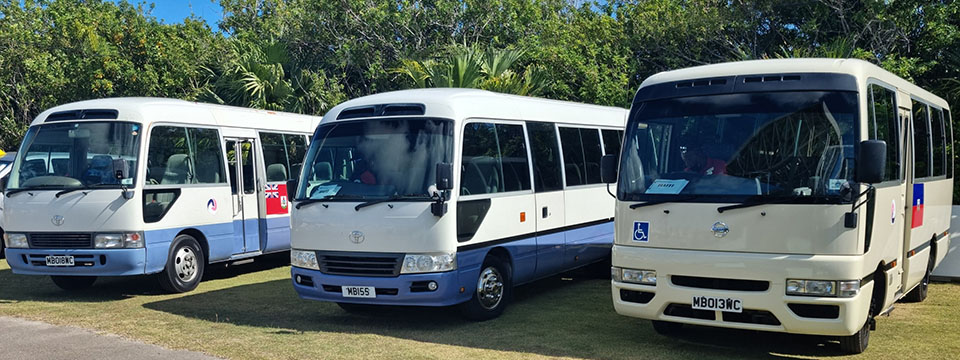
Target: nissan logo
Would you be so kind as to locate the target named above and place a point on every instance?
(57, 220)
(719, 229)
(356, 237)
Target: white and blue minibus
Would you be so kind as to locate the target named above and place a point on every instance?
(439, 197)
(134, 186)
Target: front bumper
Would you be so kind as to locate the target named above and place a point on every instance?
(768, 310)
(397, 290)
(89, 262)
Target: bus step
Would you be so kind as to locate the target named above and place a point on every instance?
(241, 262)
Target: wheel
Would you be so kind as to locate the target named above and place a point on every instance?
(856, 343)
(919, 293)
(666, 327)
(73, 283)
(492, 292)
(184, 265)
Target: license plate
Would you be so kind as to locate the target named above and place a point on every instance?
(60, 260)
(359, 291)
(717, 303)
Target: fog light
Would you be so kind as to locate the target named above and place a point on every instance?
(298, 279)
(432, 285)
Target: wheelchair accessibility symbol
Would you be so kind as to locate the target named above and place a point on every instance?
(641, 229)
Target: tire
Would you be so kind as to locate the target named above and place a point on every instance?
(919, 293)
(493, 291)
(666, 327)
(73, 283)
(856, 343)
(185, 265)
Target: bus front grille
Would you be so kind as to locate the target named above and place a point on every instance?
(719, 284)
(360, 264)
(60, 241)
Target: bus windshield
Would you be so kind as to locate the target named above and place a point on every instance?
(65, 155)
(359, 160)
(742, 146)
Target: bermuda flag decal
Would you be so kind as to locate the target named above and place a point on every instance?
(917, 206)
(276, 198)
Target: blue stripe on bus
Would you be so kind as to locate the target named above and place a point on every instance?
(531, 261)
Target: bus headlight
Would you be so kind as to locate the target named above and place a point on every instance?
(131, 240)
(16, 241)
(304, 259)
(425, 263)
(108, 241)
(846, 288)
(644, 277)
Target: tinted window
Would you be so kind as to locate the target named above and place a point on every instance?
(884, 125)
(546, 156)
(611, 142)
(921, 140)
(937, 133)
(282, 155)
(949, 129)
(296, 150)
(574, 165)
(592, 153)
(180, 155)
(494, 159)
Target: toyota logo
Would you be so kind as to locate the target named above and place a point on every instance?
(719, 229)
(57, 220)
(356, 237)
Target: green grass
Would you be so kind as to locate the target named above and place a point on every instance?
(252, 311)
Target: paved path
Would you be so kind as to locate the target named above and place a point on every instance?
(23, 339)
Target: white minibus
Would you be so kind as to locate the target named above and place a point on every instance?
(802, 196)
(381, 216)
(133, 186)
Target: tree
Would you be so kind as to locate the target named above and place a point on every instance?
(469, 67)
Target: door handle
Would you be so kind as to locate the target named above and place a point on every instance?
(544, 212)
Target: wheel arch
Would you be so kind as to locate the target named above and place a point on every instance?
(197, 234)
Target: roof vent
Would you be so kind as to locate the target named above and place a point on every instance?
(84, 114)
(382, 110)
(770, 78)
(701, 82)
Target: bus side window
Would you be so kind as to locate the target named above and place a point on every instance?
(296, 147)
(884, 124)
(921, 140)
(574, 165)
(611, 142)
(939, 151)
(948, 126)
(494, 159)
(208, 156)
(592, 153)
(546, 156)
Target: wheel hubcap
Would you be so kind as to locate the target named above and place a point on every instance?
(490, 288)
(185, 263)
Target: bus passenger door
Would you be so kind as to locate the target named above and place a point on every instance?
(243, 184)
(549, 198)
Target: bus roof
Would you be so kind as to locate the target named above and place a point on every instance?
(149, 110)
(860, 69)
(463, 104)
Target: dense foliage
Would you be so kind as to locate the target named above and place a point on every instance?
(308, 55)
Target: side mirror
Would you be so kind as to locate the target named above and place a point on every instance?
(3, 184)
(121, 169)
(444, 176)
(871, 161)
(608, 169)
(292, 188)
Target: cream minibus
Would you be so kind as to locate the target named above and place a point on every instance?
(382, 218)
(133, 186)
(798, 195)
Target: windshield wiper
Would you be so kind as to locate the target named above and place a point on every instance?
(762, 201)
(32, 188)
(391, 198)
(664, 201)
(303, 202)
(89, 187)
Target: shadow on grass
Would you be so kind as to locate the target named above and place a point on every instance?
(569, 315)
(16, 288)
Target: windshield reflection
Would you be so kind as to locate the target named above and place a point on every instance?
(733, 146)
(360, 160)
